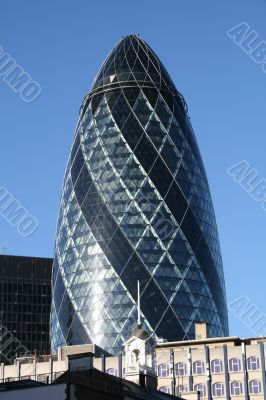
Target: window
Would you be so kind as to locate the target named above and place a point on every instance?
(112, 371)
(180, 369)
(218, 389)
(200, 387)
(254, 387)
(234, 364)
(236, 388)
(164, 389)
(253, 363)
(217, 366)
(163, 370)
(181, 389)
(43, 378)
(135, 357)
(198, 367)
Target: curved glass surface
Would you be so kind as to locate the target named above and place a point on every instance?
(135, 206)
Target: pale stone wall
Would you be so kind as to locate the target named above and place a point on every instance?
(183, 352)
(33, 370)
(216, 352)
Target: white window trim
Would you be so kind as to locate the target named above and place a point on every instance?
(239, 387)
(251, 386)
(219, 388)
(235, 362)
(253, 360)
(216, 363)
(199, 364)
(164, 368)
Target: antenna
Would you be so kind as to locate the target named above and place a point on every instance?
(138, 303)
(3, 248)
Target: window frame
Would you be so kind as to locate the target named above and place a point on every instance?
(253, 361)
(161, 368)
(216, 388)
(115, 372)
(216, 363)
(233, 388)
(183, 390)
(202, 390)
(198, 364)
(235, 361)
(251, 386)
(180, 366)
(167, 389)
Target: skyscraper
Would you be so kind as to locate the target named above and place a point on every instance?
(25, 294)
(135, 206)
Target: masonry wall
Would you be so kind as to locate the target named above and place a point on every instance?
(216, 382)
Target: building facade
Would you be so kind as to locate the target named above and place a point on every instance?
(225, 368)
(72, 375)
(135, 205)
(25, 304)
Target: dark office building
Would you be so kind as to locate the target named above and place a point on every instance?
(25, 297)
(136, 205)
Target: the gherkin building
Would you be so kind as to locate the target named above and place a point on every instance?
(135, 205)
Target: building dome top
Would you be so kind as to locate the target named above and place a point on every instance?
(133, 63)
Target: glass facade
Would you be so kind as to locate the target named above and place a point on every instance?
(135, 205)
(25, 304)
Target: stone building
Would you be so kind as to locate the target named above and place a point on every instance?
(224, 367)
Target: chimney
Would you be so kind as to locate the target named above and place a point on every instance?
(201, 330)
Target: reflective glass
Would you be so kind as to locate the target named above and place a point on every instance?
(135, 206)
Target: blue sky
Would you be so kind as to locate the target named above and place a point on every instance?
(62, 45)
